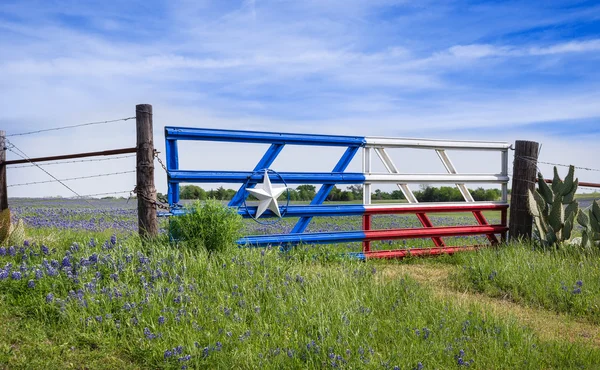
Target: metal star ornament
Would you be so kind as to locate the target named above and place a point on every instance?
(267, 196)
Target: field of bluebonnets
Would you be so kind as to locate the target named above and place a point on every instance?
(83, 291)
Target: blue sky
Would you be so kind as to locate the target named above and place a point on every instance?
(483, 70)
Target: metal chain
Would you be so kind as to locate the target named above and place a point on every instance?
(72, 178)
(72, 126)
(160, 161)
(150, 200)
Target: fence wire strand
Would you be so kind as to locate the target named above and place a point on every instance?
(77, 161)
(22, 154)
(72, 178)
(71, 126)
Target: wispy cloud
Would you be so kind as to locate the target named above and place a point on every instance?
(379, 67)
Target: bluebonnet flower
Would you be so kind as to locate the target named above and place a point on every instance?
(113, 239)
(54, 263)
(99, 318)
(75, 247)
(579, 283)
(178, 350)
(93, 258)
(31, 284)
(3, 274)
(49, 298)
(2, 251)
(168, 354)
(219, 346)
(185, 358)
(161, 320)
(16, 275)
(149, 334)
(52, 272)
(114, 276)
(92, 243)
(12, 251)
(577, 291)
(26, 243)
(66, 262)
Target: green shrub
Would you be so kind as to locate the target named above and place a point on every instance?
(209, 225)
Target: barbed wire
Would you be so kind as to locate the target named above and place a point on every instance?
(77, 161)
(71, 126)
(109, 193)
(72, 178)
(24, 156)
(566, 165)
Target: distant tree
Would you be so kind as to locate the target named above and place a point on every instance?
(356, 190)
(306, 192)
(192, 192)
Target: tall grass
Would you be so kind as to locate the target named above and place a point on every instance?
(158, 306)
(565, 280)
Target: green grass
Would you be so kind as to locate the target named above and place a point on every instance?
(245, 309)
(563, 281)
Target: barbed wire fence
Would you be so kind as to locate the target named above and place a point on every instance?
(11, 147)
(537, 162)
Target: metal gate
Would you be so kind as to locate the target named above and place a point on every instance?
(262, 175)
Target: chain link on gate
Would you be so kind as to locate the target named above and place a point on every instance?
(160, 160)
(157, 204)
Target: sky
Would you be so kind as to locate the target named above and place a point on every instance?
(456, 70)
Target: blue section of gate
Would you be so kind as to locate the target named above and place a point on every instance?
(277, 142)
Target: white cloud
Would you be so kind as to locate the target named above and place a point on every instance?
(315, 66)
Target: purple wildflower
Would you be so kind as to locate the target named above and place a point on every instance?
(2, 251)
(50, 298)
(16, 275)
(161, 320)
(45, 249)
(31, 284)
(12, 251)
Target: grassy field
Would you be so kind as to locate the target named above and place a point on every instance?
(77, 298)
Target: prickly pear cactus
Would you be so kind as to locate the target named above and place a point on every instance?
(554, 208)
(11, 234)
(590, 236)
(4, 226)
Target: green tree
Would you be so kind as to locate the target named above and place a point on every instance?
(306, 192)
(192, 192)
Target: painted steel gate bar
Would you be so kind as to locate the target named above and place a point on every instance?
(263, 175)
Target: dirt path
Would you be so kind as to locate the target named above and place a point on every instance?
(546, 324)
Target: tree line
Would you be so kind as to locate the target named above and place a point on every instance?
(352, 192)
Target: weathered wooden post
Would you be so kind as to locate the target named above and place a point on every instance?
(145, 190)
(3, 191)
(524, 179)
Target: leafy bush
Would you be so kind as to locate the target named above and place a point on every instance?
(209, 225)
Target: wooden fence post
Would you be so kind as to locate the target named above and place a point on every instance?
(3, 191)
(524, 179)
(146, 192)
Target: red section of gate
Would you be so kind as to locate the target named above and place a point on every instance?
(434, 232)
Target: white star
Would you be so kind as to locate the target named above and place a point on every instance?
(267, 196)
